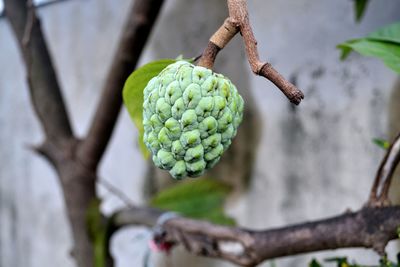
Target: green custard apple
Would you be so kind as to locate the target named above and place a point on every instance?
(190, 116)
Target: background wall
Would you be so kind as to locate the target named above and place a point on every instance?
(313, 161)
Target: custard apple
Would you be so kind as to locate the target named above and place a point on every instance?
(190, 115)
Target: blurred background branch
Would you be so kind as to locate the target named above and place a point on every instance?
(76, 169)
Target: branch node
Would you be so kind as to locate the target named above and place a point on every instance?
(379, 196)
(224, 34)
(289, 90)
(238, 21)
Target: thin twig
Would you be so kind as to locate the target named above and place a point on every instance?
(239, 21)
(116, 192)
(238, 12)
(217, 42)
(288, 89)
(209, 55)
(379, 195)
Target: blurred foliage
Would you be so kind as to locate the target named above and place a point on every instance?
(314, 263)
(381, 143)
(344, 262)
(383, 44)
(360, 7)
(197, 198)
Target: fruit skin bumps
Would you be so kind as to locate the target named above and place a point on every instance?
(190, 115)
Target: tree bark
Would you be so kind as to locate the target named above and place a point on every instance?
(74, 161)
(368, 228)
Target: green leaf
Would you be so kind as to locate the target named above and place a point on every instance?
(198, 198)
(345, 50)
(314, 263)
(359, 8)
(383, 44)
(381, 143)
(388, 52)
(133, 94)
(340, 261)
(390, 33)
(385, 262)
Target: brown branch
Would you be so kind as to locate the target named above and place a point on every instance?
(217, 42)
(135, 34)
(380, 190)
(77, 177)
(367, 228)
(44, 88)
(371, 227)
(59, 146)
(209, 55)
(239, 21)
(238, 12)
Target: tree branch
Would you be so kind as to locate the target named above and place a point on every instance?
(77, 173)
(135, 34)
(368, 228)
(371, 227)
(217, 42)
(380, 190)
(44, 88)
(59, 147)
(239, 21)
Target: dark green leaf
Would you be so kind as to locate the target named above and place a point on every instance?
(198, 198)
(390, 33)
(341, 261)
(133, 93)
(345, 50)
(385, 262)
(383, 44)
(388, 52)
(381, 143)
(359, 8)
(314, 263)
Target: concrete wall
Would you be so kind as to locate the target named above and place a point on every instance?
(313, 161)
